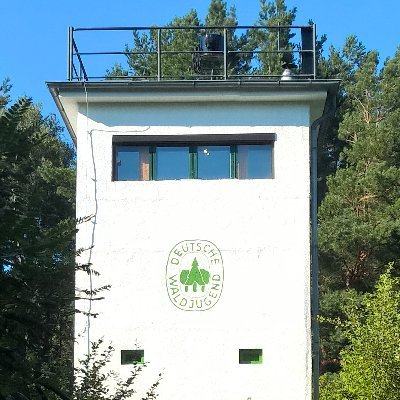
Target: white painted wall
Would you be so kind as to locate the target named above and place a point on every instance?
(261, 228)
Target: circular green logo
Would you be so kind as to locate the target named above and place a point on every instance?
(195, 275)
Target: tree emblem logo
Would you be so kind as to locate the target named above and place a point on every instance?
(194, 275)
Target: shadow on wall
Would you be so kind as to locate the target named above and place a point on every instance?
(191, 114)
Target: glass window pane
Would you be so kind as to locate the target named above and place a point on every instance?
(213, 162)
(132, 163)
(254, 161)
(172, 163)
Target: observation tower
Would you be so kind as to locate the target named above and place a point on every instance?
(198, 168)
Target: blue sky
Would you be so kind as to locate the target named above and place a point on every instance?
(34, 32)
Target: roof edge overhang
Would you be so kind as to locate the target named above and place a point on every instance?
(67, 95)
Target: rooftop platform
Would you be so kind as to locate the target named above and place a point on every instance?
(191, 52)
(190, 64)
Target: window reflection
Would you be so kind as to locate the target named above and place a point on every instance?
(254, 161)
(132, 163)
(172, 163)
(213, 162)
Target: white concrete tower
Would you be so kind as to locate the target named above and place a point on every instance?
(200, 192)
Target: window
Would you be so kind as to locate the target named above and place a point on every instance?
(142, 161)
(250, 356)
(132, 357)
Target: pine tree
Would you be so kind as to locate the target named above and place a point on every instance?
(359, 216)
(176, 44)
(179, 47)
(219, 16)
(36, 254)
(269, 40)
(179, 65)
(339, 64)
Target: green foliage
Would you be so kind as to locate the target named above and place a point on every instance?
(371, 360)
(273, 14)
(4, 90)
(141, 61)
(177, 45)
(359, 217)
(93, 378)
(117, 72)
(338, 65)
(332, 304)
(179, 65)
(219, 15)
(36, 255)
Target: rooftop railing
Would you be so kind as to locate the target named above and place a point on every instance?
(192, 52)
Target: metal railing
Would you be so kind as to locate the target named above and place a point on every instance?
(156, 53)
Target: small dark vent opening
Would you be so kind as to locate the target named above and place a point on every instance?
(132, 357)
(250, 356)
